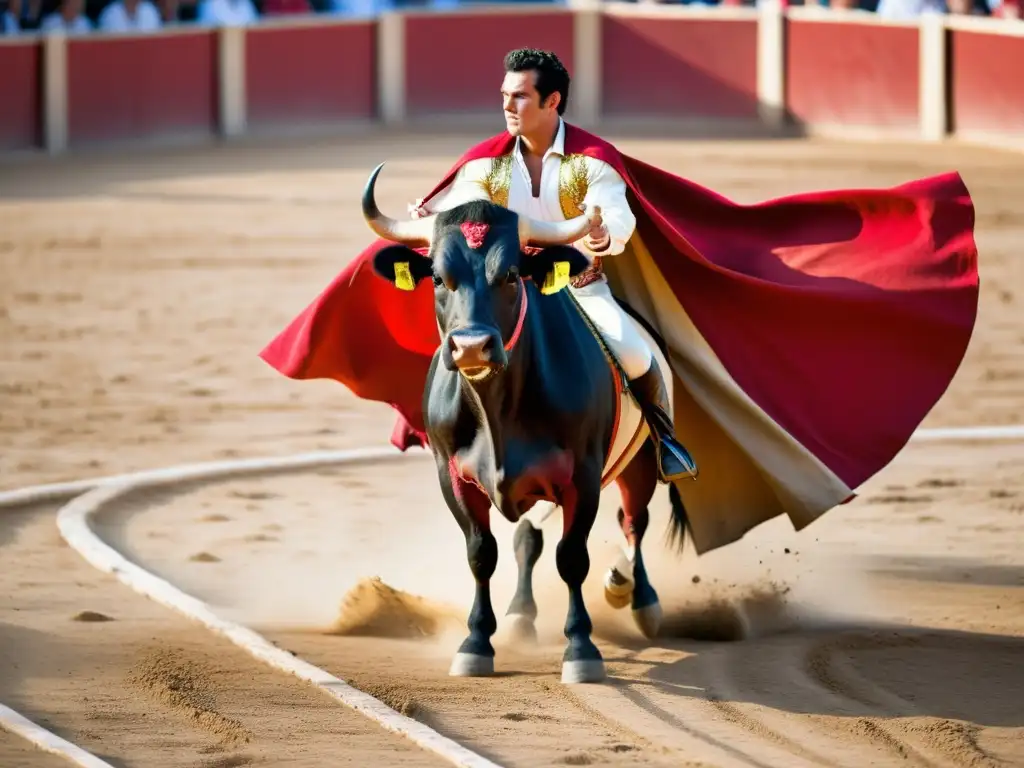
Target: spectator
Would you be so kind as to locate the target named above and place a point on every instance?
(129, 16)
(170, 11)
(1005, 9)
(972, 7)
(907, 10)
(10, 23)
(186, 10)
(286, 7)
(373, 7)
(226, 12)
(68, 17)
(30, 13)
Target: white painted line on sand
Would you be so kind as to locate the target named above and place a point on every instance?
(47, 740)
(73, 522)
(152, 477)
(1012, 432)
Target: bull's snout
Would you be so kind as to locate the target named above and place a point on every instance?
(476, 352)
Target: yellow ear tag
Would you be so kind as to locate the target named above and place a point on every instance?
(403, 276)
(557, 278)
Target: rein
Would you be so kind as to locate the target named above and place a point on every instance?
(524, 300)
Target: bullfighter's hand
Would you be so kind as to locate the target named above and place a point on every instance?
(597, 239)
(417, 210)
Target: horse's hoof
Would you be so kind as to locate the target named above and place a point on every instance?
(648, 619)
(521, 629)
(471, 665)
(618, 590)
(583, 671)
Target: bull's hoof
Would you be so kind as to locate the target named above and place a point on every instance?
(583, 671)
(521, 629)
(618, 589)
(471, 665)
(648, 619)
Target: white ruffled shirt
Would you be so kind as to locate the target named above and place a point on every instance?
(605, 188)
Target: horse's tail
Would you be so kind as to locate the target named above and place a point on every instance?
(678, 522)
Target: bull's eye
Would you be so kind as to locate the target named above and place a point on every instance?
(513, 275)
(438, 282)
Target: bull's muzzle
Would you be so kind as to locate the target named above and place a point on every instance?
(476, 352)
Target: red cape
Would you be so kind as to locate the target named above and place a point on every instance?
(844, 314)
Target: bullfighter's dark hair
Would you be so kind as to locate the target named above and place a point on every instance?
(551, 73)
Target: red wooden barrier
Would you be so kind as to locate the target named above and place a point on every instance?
(838, 70)
(679, 67)
(987, 82)
(852, 73)
(20, 95)
(453, 61)
(142, 87)
(297, 73)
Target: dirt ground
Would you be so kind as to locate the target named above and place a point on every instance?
(135, 292)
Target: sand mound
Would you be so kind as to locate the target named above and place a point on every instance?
(374, 609)
(91, 616)
(185, 685)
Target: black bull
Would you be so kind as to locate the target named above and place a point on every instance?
(519, 406)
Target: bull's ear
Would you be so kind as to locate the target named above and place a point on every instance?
(553, 267)
(402, 266)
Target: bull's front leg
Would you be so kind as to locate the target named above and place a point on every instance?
(581, 662)
(471, 508)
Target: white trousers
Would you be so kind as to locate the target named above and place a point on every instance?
(615, 327)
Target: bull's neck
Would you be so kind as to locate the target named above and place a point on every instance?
(501, 395)
(497, 400)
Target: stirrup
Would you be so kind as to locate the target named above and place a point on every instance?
(681, 455)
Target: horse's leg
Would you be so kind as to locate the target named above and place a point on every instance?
(581, 662)
(471, 508)
(528, 543)
(637, 484)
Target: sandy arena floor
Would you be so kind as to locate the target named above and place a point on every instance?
(135, 292)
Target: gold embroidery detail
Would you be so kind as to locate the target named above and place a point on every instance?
(573, 183)
(498, 180)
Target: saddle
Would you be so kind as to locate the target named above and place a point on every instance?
(613, 361)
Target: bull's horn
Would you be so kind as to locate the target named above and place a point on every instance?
(543, 233)
(415, 232)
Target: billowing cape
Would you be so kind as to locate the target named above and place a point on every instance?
(809, 335)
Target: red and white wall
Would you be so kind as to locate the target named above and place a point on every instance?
(828, 71)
